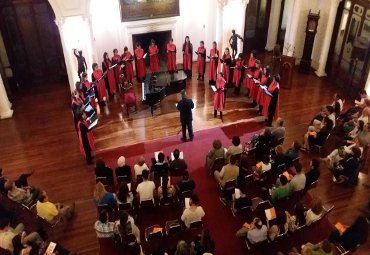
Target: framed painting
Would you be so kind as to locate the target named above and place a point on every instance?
(132, 10)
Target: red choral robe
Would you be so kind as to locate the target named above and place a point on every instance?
(213, 64)
(261, 94)
(154, 61)
(254, 86)
(129, 70)
(188, 51)
(219, 97)
(117, 69)
(100, 86)
(92, 100)
(140, 63)
(268, 99)
(225, 66)
(171, 57)
(251, 64)
(90, 138)
(201, 60)
(238, 71)
(107, 64)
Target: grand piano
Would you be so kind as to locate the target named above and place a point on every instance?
(156, 87)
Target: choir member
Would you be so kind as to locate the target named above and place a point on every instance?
(109, 79)
(234, 42)
(201, 60)
(97, 77)
(127, 59)
(93, 100)
(249, 67)
(226, 62)
(213, 55)
(187, 51)
(238, 72)
(219, 97)
(171, 56)
(265, 81)
(153, 53)
(271, 104)
(86, 138)
(82, 66)
(77, 105)
(116, 59)
(255, 81)
(140, 62)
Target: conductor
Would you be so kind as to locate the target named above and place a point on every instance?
(185, 106)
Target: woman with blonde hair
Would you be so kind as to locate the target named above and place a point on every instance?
(217, 151)
(103, 197)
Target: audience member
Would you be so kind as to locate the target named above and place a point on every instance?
(235, 147)
(204, 243)
(103, 197)
(347, 169)
(321, 115)
(262, 166)
(217, 151)
(140, 166)
(185, 184)
(145, 190)
(298, 182)
(313, 173)
(26, 248)
(337, 104)
(124, 195)
(53, 212)
(228, 172)
(178, 165)
(262, 143)
(193, 213)
(279, 131)
(101, 170)
(182, 248)
(21, 182)
(265, 196)
(292, 153)
(159, 168)
(363, 136)
(354, 235)
(333, 159)
(279, 226)
(103, 227)
(313, 137)
(123, 169)
(315, 212)
(21, 195)
(256, 231)
(298, 218)
(322, 248)
(331, 114)
(282, 190)
(278, 158)
(126, 225)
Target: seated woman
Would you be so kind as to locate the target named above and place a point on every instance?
(365, 114)
(337, 104)
(101, 170)
(354, 235)
(102, 197)
(298, 218)
(363, 136)
(315, 212)
(235, 148)
(292, 153)
(140, 166)
(262, 166)
(358, 127)
(346, 170)
(160, 168)
(217, 151)
(312, 138)
(279, 157)
(126, 225)
(282, 191)
(124, 195)
(262, 143)
(123, 169)
(313, 173)
(24, 246)
(279, 225)
(194, 213)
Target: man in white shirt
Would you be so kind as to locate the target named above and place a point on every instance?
(258, 232)
(298, 182)
(194, 213)
(145, 190)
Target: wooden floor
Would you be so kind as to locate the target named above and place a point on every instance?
(41, 136)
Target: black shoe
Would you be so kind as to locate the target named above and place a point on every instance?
(191, 138)
(183, 139)
(215, 114)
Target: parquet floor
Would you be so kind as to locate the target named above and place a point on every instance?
(41, 136)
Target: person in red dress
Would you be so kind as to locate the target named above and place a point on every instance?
(109, 79)
(255, 81)
(201, 60)
(249, 68)
(154, 61)
(97, 76)
(140, 62)
(213, 63)
(238, 72)
(127, 59)
(187, 51)
(219, 97)
(226, 62)
(116, 59)
(271, 104)
(265, 81)
(171, 56)
(86, 138)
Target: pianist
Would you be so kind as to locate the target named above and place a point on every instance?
(185, 106)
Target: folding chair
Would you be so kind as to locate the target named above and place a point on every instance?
(126, 207)
(173, 227)
(123, 178)
(153, 232)
(227, 190)
(196, 225)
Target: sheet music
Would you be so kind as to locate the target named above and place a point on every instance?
(256, 81)
(180, 157)
(187, 202)
(156, 155)
(249, 76)
(95, 122)
(143, 91)
(129, 186)
(113, 65)
(213, 88)
(145, 55)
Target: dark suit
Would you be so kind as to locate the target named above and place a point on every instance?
(185, 106)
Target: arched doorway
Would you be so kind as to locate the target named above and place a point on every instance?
(32, 43)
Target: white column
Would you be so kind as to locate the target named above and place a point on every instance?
(5, 110)
(273, 25)
(327, 38)
(367, 85)
(292, 28)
